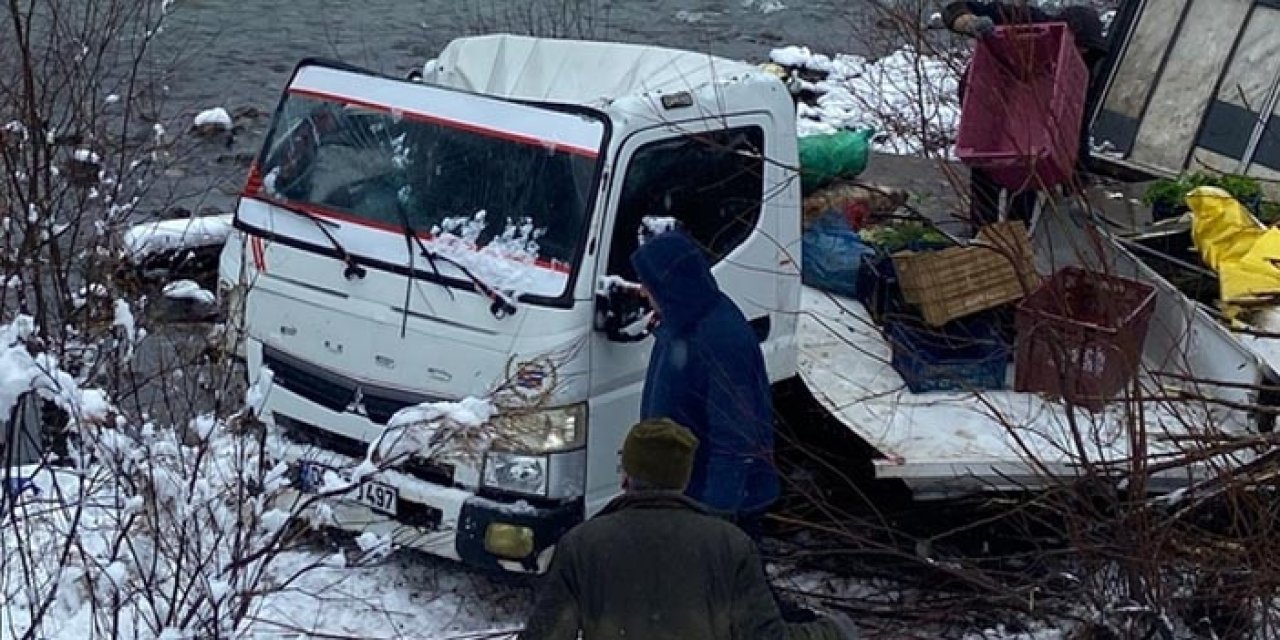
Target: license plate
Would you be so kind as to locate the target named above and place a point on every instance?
(378, 496)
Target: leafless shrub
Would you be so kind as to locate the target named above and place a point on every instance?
(1097, 547)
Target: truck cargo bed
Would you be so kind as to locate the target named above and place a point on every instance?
(1198, 379)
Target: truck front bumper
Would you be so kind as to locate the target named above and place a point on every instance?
(432, 515)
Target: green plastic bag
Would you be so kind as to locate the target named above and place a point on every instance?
(824, 158)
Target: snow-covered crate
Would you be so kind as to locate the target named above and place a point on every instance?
(1081, 335)
(1022, 106)
(997, 268)
(964, 356)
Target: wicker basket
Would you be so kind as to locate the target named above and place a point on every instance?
(996, 269)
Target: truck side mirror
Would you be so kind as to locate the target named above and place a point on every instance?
(622, 313)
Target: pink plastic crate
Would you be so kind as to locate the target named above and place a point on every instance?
(1023, 103)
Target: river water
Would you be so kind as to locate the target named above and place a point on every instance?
(239, 55)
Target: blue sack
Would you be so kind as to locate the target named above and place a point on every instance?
(831, 253)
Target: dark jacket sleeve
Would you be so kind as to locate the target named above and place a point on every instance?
(998, 12)
(755, 612)
(555, 610)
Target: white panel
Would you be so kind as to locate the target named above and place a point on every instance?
(1141, 61)
(1253, 67)
(1186, 87)
(1205, 160)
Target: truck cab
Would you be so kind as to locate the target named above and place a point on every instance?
(407, 242)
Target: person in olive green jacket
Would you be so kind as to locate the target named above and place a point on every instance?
(655, 565)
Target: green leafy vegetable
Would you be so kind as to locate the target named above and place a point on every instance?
(1172, 192)
(899, 236)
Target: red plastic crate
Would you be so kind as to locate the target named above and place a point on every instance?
(1023, 104)
(1080, 336)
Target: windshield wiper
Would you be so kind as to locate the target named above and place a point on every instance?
(353, 270)
(499, 306)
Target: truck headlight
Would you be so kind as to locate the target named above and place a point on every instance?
(546, 431)
(541, 453)
(516, 473)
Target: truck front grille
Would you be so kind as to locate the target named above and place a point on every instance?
(326, 390)
(333, 391)
(311, 435)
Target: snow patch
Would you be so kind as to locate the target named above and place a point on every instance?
(203, 426)
(125, 321)
(188, 290)
(431, 427)
(508, 263)
(22, 372)
(94, 406)
(149, 238)
(256, 396)
(653, 226)
(791, 56)
(910, 98)
(372, 544)
(764, 6)
(609, 284)
(87, 156)
(216, 117)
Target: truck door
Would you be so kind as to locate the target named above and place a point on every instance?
(710, 177)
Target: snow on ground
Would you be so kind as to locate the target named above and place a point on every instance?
(216, 118)
(147, 485)
(910, 98)
(144, 240)
(406, 596)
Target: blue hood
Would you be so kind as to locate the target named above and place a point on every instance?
(675, 271)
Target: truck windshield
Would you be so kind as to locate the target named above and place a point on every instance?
(503, 197)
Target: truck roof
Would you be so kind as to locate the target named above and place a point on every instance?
(578, 72)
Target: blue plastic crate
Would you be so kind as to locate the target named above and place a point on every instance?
(961, 356)
(877, 286)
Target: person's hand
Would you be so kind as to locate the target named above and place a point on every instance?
(976, 26)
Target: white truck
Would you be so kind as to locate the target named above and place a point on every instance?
(400, 242)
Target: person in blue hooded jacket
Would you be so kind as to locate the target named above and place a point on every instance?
(706, 372)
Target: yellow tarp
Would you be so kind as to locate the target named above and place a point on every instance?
(1231, 242)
